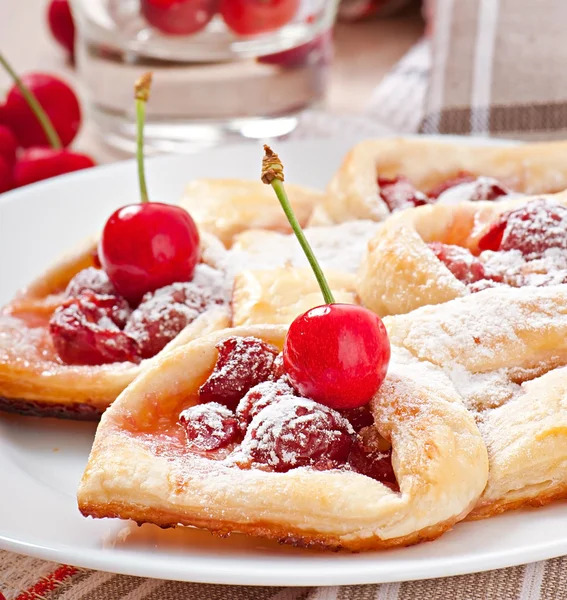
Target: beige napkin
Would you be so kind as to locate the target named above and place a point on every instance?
(499, 68)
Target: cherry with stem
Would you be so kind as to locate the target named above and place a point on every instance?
(37, 163)
(35, 106)
(148, 245)
(335, 354)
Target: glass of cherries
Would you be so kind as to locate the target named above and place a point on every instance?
(223, 69)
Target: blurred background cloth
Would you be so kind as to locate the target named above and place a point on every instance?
(487, 68)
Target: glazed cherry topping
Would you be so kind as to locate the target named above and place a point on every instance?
(460, 178)
(148, 246)
(259, 397)
(278, 368)
(368, 458)
(179, 17)
(163, 314)
(251, 17)
(61, 24)
(296, 432)
(358, 417)
(90, 280)
(86, 331)
(337, 354)
(399, 193)
(462, 264)
(242, 363)
(37, 164)
(209, 426)
(58, 101)
(538, 226)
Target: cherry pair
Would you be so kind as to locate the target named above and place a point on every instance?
(41, 115)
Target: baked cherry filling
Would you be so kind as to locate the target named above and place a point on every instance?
(279, 430)
(209, 426)
(526, 246)
(94, 325)
(399, 193)
(242, 363)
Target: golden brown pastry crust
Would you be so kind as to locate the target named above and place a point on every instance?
(505, 350)
(353, 192)
(227, 207)
(432, 434)
(400, 273)
(34, 381)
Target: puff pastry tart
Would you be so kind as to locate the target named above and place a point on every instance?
(379, 177)
(432, 254)
(213, 435)
(69, 344)
(254, 282)
(505, 351)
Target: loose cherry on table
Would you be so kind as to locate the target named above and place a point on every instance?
(61, 24)
(6, 177)
(335, 354)
(179, 17)
(58, 101)
(37, 164)
(251, 17)
(29, 120)
(8, 144)
(149, 245)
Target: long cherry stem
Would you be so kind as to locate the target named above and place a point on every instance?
(272, 174)
(142, 95)
(35, 106)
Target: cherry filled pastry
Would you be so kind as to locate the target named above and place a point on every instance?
(382, 177)
(197, 452)
(438, 253)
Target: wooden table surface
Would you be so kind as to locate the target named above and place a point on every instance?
(364, 53)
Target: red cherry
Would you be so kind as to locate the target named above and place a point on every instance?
(57, 99)
(533, 229)
(147, 246)
(37, 164)
(337, 354)
(317, 51)
(461, 262)
(250, 17)
(61, 24)
(460, 178)
(8, 144)
(399, 193)
(6, 176)
(179, 17)
(209, 426)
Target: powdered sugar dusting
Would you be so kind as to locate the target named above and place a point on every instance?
(483, 188)
(338, 247)
(294, 432)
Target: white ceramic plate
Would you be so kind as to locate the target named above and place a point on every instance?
(41, 461)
